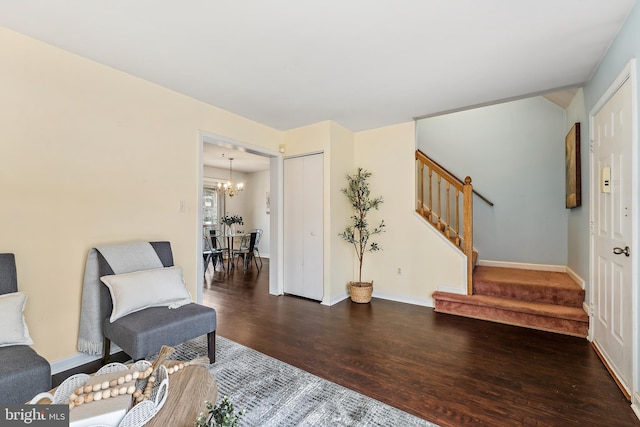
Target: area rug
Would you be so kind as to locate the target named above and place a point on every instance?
(273, 393)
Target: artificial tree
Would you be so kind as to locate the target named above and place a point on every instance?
(359, 232)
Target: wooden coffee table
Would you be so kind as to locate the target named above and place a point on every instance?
(188, 389)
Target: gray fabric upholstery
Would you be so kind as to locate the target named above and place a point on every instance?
(23, 372)
(143, 333)
(8, 276)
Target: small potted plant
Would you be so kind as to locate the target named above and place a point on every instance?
(359, 232)
(221, 415)
(230, 220)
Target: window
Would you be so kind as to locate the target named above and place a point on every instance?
(209, 210)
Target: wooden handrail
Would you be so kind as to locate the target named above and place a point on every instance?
(443, 171)
(450, 228)
(468, 232)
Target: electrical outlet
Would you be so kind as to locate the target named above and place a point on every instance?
(399, 271)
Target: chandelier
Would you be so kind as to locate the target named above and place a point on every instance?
(230, 188)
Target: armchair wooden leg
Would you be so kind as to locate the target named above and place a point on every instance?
(211, 346)
(107, 351)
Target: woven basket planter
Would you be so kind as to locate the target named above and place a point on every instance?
(361, 291)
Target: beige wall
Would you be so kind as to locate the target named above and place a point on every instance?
(427, 261)
(341, 255)
(307, 139)
(388, 153)
(257, 186)
(336, 143)
(578, 241)
(90, 155)
(240, 205)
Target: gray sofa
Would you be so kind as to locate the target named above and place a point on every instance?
(143, 333)
(23, 372)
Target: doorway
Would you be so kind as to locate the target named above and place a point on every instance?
(266, 199)
(304, 228)
(613, 239)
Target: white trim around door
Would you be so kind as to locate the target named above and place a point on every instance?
(628, 75)
(276, 221)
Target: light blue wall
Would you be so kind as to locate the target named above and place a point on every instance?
(514, 152)
(578, 226)
(625, 47)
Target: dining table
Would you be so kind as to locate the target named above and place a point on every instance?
(230, 239)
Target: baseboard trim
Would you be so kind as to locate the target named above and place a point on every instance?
(634, 405)
(452, 290)
(523, 265)
(612, 371)
(335, 300)
(78, 359)
(587, 308)
(576, 278)
(425, 302)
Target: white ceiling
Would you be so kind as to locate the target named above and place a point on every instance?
(361, 63)
(218, 157)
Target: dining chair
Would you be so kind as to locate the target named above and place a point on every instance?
(259, 231)
(207, 253)
(217, 249)
(248, 253)
(244, 241)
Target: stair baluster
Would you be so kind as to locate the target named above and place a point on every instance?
(462, 239)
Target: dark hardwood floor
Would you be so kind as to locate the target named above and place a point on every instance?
(449, 370)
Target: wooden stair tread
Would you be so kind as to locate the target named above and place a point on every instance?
(536, 308)
(528, 285)
(543, 300)
(528, 277)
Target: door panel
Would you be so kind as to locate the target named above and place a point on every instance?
(303, 226)
(613, 229)
(293, 217)
(313, 214)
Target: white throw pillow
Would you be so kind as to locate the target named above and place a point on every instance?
(13, 328)
(131, 292)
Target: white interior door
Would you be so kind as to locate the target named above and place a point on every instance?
(313, 227)
(612, 237)
(293, 217)
(303, 226)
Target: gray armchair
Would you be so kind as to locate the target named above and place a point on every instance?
(23, 372)
(144, 332)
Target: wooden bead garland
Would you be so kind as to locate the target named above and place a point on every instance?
(115, 387)
(106, 389)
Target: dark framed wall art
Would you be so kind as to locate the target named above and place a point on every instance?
(572, 166)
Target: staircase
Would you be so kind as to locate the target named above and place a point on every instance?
(543, 300)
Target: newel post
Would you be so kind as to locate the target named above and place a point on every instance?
(421, 188)
(467, 190)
